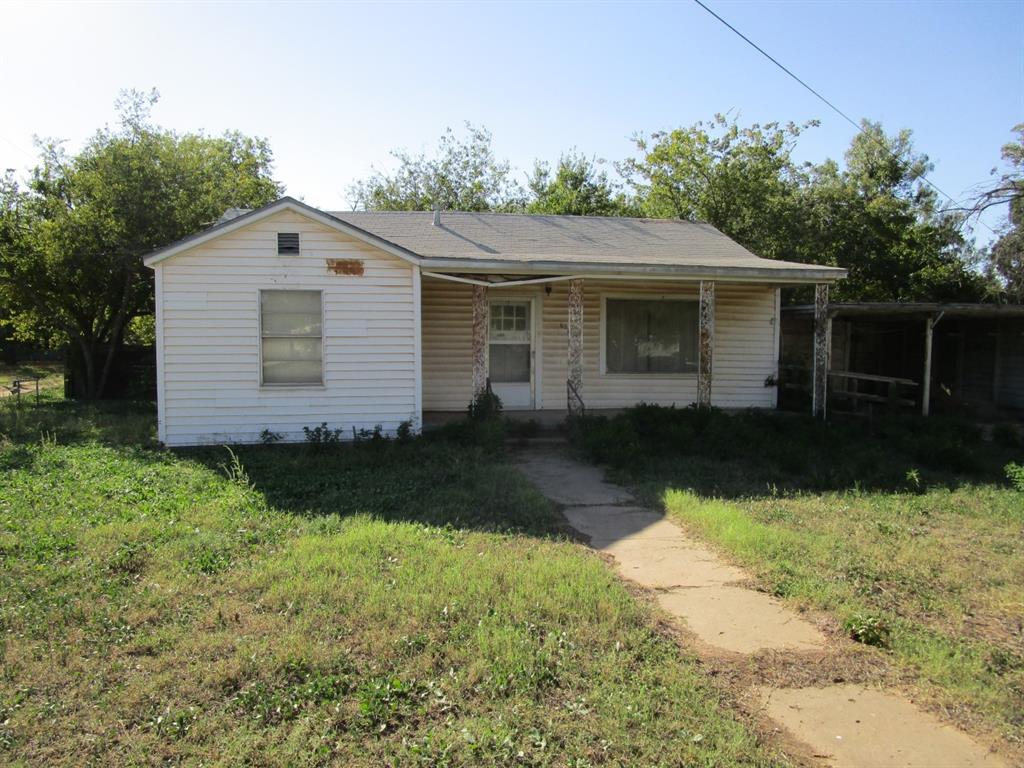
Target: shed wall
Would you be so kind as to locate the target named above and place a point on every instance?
(210, 345)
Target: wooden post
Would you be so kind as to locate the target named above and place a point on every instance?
(706, 342)
(926, 379)
(479, 339)
(574, 345)
(822, 342)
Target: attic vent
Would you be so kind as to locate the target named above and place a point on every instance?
(287, 242)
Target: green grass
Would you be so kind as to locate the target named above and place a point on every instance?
(908, 533)
(384, 604)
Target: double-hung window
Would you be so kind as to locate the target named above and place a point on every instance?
(654, 336)
(291, 337)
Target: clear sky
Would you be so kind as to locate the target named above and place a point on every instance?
(335, 86)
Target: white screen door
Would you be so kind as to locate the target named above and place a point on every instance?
(510, 352)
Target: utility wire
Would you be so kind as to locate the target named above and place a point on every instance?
(833, 107)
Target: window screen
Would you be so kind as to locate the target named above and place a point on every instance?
(292, 337)
(650, 336)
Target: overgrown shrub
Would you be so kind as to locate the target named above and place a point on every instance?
(782, 448)
(1015, 473)
(485, 406)
(322, 437)
(489, 435)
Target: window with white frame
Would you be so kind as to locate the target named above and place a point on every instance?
(650, 336)
(291, 337)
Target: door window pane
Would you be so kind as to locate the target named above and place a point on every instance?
(510, 363)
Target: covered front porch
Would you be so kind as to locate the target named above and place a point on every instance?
(554, 345)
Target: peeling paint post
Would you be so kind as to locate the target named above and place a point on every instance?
(706, 343)
(574, 394)
(479, 339)
(822, 343)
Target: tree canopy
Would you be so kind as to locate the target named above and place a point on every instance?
(873, 213)
(72, 242)
(577, 187)
(874, 216)
(462, 175)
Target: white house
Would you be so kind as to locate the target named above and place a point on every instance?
(287, 316)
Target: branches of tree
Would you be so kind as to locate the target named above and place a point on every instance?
(72, 240)
(1005, 258)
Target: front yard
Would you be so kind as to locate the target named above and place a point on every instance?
(905, 534)
(388, 603)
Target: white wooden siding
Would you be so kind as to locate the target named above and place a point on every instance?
(745, 346)
(210, 341)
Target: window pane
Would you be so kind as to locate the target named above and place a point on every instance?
(291, 373)
(292, 345)
(510, 363)
(650, 336)
(291, 361)
(291, 313)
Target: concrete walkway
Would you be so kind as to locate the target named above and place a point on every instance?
(842, 725)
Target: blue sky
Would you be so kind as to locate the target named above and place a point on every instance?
(334, 87)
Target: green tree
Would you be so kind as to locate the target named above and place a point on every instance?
(72, 243)
(874, 216)
(878, 218)
(462, 175)
(578, 188)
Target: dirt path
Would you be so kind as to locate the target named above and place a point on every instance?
(841, 725)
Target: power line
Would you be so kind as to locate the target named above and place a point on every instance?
(833, 107)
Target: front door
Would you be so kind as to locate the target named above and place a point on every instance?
(510, 352)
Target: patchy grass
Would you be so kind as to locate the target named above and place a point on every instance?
(908, 532)
(399, 604)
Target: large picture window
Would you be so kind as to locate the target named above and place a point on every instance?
(291, 330)
(650, 336)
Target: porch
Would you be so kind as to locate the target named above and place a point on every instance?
(554, 345)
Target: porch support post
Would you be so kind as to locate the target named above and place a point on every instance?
(822, 344)
(926, 379)
(574, 385)
(479, 339)
(706, 341)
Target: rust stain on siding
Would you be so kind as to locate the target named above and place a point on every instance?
(346, 267)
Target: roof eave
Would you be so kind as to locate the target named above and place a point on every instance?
(771, 274)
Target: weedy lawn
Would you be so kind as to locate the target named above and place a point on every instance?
(908, 532)
(389, 603)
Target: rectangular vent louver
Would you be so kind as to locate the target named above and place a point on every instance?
(287, 242)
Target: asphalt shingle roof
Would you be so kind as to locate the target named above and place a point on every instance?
(562, 239)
